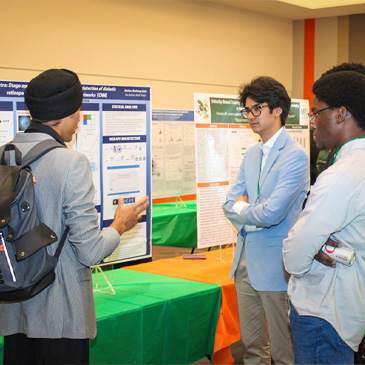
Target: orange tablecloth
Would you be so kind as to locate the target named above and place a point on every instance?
(214, 270)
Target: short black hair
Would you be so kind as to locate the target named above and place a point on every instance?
(265, 89)
(346, 66)
(343, 88)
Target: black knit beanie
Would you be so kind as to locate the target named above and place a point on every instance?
(53, 95)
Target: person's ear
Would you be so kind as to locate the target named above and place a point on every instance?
(278, 111)
(342, 113)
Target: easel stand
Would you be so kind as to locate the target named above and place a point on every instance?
(178, 201)
(97, 270)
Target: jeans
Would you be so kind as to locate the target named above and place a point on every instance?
(317, 342)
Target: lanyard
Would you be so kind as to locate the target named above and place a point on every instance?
(258, 181)
(338, 150)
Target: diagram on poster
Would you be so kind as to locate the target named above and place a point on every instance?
(124, 168)
(173, 151)
(114, 133)
(222, 139)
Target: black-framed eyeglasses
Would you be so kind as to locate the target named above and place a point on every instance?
(313, 116)
(255, 110)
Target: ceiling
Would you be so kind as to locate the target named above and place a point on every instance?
(299, 9)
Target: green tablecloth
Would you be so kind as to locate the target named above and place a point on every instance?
(174, 226)
(154, 319)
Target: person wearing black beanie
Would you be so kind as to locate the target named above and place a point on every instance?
(53, 95)
(54, 326)
(53, 99)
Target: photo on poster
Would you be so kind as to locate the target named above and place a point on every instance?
(23, 121)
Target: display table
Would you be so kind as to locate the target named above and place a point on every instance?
(214, 270)
(174, 225)
(154, 319)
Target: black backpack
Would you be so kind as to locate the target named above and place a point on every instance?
(26, 268)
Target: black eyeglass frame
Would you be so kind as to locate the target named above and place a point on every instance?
(313, 116)
(255, 109)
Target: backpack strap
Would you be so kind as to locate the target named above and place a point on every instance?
(40, 149)
(60, 245)
(34, 154)
(10, 155)
(8, 179)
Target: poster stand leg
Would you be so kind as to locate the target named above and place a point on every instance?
(220, 258)
(178, 201)
(193, 249)
(97, 269)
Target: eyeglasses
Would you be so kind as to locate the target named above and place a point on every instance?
(313, 116)
(255, 111)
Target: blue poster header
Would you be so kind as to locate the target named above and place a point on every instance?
(16, 89)
(6, 106)
(21, 106)
(125, 107)
(12, 88)
(124, 139)
(116, 92)
(90, 106)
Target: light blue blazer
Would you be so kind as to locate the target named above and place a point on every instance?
(284, 183)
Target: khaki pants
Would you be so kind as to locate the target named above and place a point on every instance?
(263, 322)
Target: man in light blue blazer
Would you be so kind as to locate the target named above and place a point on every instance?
(263, 205)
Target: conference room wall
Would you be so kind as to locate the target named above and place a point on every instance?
(176, 47)
(336, 40)
(356, 38)
(326, 40)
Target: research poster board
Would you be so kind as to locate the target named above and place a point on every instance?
(297, 123)
(222, 139)
(173, 153)
(114, 133)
